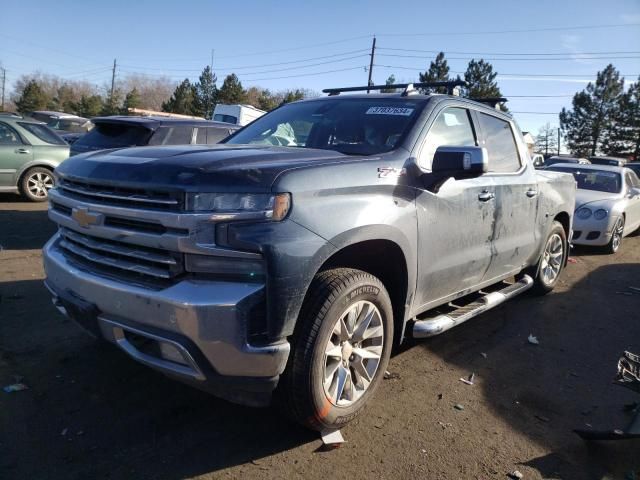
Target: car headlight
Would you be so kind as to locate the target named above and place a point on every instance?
(583, 213)
(265, 206)
(600, 214)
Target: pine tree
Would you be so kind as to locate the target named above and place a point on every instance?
(206, 93)
(182, 100)
(390, 81)
(32, 98)
(481, 80)
(594, 114)
(132, 100)
(438, 72)
(292, 96)
(89, 106)
(625, 136)
(231, 91)
(547, 139)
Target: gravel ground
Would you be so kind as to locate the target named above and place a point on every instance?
(90, 412)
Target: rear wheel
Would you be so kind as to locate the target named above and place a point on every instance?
(340, 351)
(616, 238)
(552, 261)
(36, 183)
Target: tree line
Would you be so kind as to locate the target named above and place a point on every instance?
(49, 92)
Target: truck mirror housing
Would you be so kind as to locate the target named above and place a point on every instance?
(460, 162)
(455, 162)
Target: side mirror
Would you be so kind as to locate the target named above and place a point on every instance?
(455, 162)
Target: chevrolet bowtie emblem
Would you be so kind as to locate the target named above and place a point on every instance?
(84, 217)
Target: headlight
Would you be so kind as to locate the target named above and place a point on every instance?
(600, 214)
(583, 213)
(265, 206)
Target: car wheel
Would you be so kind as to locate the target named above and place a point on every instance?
(616, 238)
(36, 183)
(552, 261)
(340, 350)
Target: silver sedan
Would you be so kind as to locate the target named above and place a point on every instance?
(607, 204)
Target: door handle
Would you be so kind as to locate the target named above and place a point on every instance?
(23, 150)
(532, 193)
(486, 196)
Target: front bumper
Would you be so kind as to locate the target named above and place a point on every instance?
(592, 232)
(199, 327)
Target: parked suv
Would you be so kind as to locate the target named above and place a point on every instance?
(29, 151)
(250, 267)
(130, 131)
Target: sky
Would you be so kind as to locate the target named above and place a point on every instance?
(544, 51)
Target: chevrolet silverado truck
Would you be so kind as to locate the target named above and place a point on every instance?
(286, 263)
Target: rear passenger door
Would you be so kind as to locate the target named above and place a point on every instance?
(455, 224)
(515, 233)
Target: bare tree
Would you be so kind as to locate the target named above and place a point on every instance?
(547, 139)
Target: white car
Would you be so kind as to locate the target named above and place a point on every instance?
(607, 204)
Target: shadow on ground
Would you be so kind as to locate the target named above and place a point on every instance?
(545, 391)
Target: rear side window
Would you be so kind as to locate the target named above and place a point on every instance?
(178, 135)
(43, 132)
(214, 135)
(115, 135)
(500, 144)
(8, 136)
(632, 179)
(452, 127)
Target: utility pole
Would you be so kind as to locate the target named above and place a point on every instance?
(113, 82)
(373, 52)
(558, 140)
(4, 79)
(211, 64)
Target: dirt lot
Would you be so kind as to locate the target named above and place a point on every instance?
(90, 412)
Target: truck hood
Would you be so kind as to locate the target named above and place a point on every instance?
(196, 168)
(586, 197)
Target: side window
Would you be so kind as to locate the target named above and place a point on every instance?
(452, 127)
(8, 136)
(632, 180)
(500, 144)
(178, 136)
(214, 135)
(201, 136)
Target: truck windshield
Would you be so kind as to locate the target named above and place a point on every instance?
(352, 126)
(598, 180)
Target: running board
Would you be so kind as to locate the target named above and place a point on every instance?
(428, 327)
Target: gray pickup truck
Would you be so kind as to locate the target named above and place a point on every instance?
(286, 263)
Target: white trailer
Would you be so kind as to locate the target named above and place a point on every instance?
(236, 114)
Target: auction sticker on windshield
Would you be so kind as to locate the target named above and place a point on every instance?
(405, 112)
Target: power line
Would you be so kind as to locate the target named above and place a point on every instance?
(529, 59)
(304, 74)
(509, 54)
(538, 113)
(225, 68)
(268, 71)
(419, 69)
(501, 32)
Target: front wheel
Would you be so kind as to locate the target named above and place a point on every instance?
(552, 261)
(340, 351)
(36, 183)
(616, 237)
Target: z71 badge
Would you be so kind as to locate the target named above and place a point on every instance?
(390, 172)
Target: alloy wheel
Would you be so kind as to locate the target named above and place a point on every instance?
(353, 353)
(552, 257)
(39, 184)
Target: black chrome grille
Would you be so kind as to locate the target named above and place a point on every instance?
(123, 258)
(122, 196)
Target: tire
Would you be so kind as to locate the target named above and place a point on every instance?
(616, 238)
(35, 184)
(552, 261)
(319, 349)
